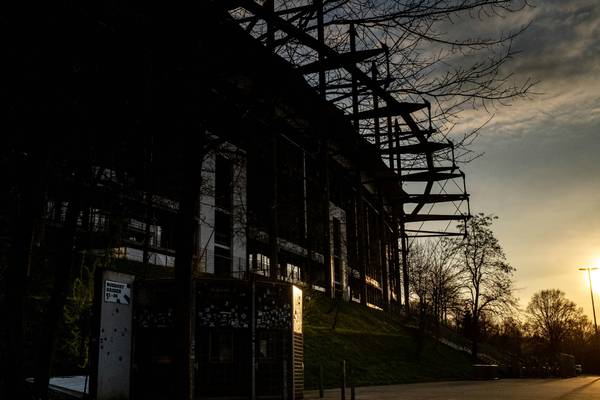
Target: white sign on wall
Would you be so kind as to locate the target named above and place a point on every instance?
(113, 345)
(117, 292)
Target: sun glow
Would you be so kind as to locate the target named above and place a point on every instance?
(595, 281)
(594, 265)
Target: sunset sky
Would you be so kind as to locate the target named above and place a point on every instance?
(540, 173)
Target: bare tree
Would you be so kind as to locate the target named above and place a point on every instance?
(434, 280)
(434, 277)
(420, 269)
(507, 334)
(555, 318)
(487, 277)
(419, 272)
(444, 279)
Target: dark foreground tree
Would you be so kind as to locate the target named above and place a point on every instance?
(487, 277)
(434, 280)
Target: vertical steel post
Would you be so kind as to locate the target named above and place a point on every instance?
(589, 269)
(343, 383)
(361, 241)
(401, 220)
(592, 296)
(383, 261)
(404, 250)
(375, 108)
(274, 231)
(321, 381)
(270, 6)
(395, 258)
(382, 256)
(321, 38)
(391, 144)
(329, 276)
(308, 278)
(284, 387)
(186, 246)
(352, 32)
(253, 335)
(397, 140)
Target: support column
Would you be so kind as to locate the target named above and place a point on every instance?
(390, 142)
(274, 226)
(185, 250)
(308, 278)
(375, 108)
(270, 5)
(383, 262)
(329, 289)
(382, 254)
(24, 205)
(403, 237)
(321, 38)
(148, 174)
(404, 252)
(395, 258)
(361, 241)
(352, 32)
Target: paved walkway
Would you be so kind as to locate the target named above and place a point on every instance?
(580, 388)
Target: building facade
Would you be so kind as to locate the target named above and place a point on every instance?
(174, 135)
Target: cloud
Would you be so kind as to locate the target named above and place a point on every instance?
(541, 167)
(561, 49)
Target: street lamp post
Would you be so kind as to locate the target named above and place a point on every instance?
(588, 269)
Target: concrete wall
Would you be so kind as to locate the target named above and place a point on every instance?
(339, 214)
(239, 244)
(206, 242)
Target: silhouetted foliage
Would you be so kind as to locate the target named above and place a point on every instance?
(509, 335)
(487, 277)
(556, 319)
(435, 278)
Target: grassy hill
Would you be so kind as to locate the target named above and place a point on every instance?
(377, 348)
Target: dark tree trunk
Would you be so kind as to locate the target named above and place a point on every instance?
(62, 282)
(474, 338)
(25, 205)
(185, 250)
(182, 114)
(420, 338)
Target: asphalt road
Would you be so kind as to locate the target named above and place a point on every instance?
(580, 388)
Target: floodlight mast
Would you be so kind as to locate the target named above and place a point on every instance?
(588, 269)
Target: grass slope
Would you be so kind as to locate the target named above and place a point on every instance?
(377, 348)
